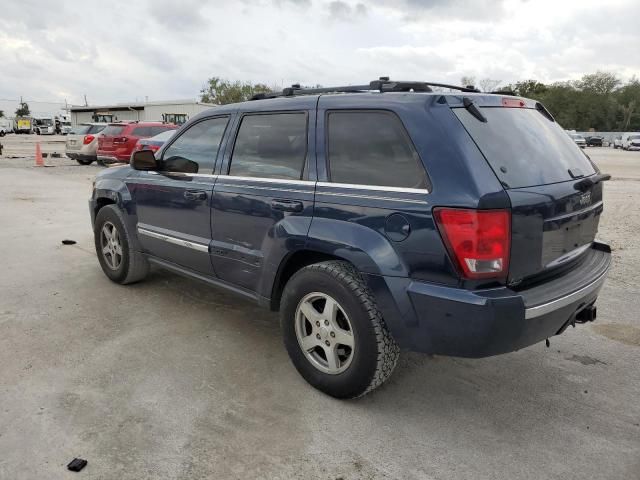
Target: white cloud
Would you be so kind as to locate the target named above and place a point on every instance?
(165, 49)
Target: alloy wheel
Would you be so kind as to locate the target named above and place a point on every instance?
(324, 333)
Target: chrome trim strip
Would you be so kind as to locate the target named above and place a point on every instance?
(548, 307)
(256, 187)
(175, 240)
(379, 188)
(576, 213)
(269, 180)
(568, 256)
(373, 197)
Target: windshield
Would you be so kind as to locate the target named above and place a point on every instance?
(577, 137)
(525, 148)
(634, 137)
(113, 130)
(45, 121)
(80, 130)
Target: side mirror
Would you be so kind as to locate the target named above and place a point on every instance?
(144, 160)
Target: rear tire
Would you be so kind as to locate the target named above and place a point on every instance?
(119, 258)
(350, 371)
(84, 162)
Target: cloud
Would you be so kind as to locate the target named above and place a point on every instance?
(339, 10)
(164, 49)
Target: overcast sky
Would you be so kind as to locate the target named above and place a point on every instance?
(166, 49)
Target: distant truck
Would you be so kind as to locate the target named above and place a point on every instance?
(23, 125)
(6, 126)
(44, 126)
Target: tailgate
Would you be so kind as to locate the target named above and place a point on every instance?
(539, 166)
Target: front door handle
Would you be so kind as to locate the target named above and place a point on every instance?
(195, 195)
(287, 205)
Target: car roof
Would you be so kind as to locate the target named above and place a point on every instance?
(369, 99)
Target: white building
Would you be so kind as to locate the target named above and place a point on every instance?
(173, 111)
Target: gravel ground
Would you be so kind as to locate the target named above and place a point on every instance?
(170, 379)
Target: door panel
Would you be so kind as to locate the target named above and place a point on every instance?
(173, 205)
(257, 219)
(173, 221)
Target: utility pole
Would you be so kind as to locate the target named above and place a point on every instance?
(85, 100)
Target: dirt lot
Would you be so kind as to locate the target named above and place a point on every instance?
(169, 379)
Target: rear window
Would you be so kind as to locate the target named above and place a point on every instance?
(524, 148)
(80, 130)
(634, 137)
(96, 128)
(113, 130)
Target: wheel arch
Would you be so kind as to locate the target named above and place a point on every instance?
(292, 263)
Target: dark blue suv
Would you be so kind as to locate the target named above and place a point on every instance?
(374, 218)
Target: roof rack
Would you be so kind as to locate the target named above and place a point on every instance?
(383, 84)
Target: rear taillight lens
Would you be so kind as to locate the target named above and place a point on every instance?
(120, 140)
(478, 240)
(88, 139)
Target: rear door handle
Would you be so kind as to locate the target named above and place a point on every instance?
(195, 195)
(286, 205)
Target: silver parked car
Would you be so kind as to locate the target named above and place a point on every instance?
(631, 141)
(82, 142)
(579, 139)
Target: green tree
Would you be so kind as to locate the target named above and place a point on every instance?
(23, 110)
(628, 100)
(1, 113)
(219, 91)
(528, 89)
(600, 83)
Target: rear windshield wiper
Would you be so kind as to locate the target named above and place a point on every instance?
(473, 109)
(588, 182)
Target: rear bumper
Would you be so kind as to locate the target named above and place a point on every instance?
(452, 321)
(81, 156)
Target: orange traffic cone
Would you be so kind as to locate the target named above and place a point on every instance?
(39, 160)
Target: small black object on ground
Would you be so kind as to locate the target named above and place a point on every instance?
(69, 242)
(77, 464)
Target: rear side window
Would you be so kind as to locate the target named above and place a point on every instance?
(372, 148)
(524, 148)
(141, 132)
(270, 146)
(196, 149)
(113, 130)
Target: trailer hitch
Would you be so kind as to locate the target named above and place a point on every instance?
(587, 314)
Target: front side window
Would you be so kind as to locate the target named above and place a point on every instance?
(270, 146)
(372, 148)
(196, 149)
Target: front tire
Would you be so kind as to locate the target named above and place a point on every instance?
(83, 161)
(115, 247)
(333, 331)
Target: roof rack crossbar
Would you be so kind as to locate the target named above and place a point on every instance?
(469, 88)
(383, 84)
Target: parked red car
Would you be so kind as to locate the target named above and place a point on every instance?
(119, 139)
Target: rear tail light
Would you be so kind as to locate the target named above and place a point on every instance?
(477, 240)
(120, 140)
(88, 139)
